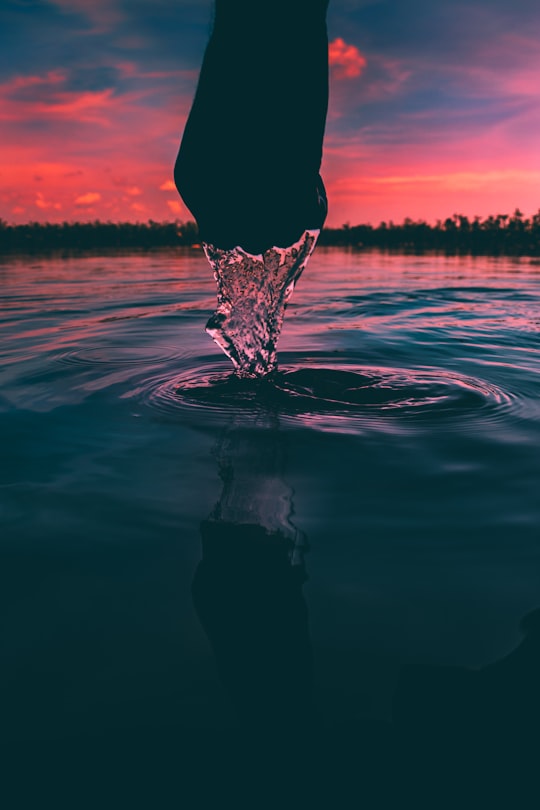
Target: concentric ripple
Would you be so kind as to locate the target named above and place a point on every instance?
(119, 355)
(329, 393)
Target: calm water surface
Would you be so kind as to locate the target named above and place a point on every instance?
(401, 437)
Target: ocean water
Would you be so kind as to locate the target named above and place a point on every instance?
(393, 464)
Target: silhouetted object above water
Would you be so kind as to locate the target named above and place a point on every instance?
(248, 165)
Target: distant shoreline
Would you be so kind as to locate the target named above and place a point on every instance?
(498, 235)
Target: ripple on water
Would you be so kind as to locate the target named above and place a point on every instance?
(328, 392)
(119, 355)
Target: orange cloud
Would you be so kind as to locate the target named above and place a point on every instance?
(88, 199)
(175, 206)
(42, 203)
(346, 60)
(168, 185)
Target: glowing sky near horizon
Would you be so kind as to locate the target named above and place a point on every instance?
(434, 108)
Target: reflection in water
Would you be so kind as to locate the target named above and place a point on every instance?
(458, 737)
(251, 462)
(471, 736)
(247, 591)
(425, 460)
(250, 602)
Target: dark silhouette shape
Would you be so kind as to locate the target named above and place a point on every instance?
(472, 736)
(458, 738)
(248, 165)
(248, 593)
(498, 235)
(247, 589)
(249, 599)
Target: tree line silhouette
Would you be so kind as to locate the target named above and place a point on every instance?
(501, 234)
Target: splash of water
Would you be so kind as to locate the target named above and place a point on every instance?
(253, 291)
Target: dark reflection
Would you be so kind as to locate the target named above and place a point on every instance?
(248, 594)
(249, 599)
(457, 737)
(247, 589)
(472, 736)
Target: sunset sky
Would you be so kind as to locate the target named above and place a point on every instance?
(435, 107)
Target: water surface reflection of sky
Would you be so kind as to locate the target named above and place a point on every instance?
(400, 444)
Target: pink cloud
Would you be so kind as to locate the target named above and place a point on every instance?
(46, 97)
(346, 60)
(123, 149)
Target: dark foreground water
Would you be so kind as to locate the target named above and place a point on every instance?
(384, 665)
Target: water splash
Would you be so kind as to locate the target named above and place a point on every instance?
(253, 291)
